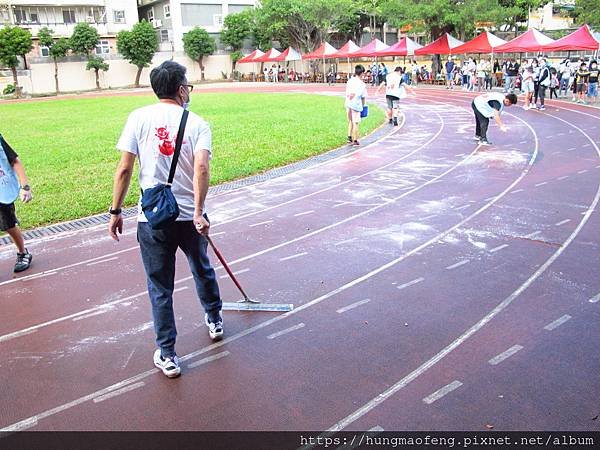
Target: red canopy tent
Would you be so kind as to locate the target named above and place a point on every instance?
(370, 49)
(582, 39)
(443, 45)
(324, 51)
(404, 47)
(250, 58)
(530, 41)
(347, 51)
(484, 43)
(270, 56)
(289, 54)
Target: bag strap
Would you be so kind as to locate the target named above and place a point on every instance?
(178, 143)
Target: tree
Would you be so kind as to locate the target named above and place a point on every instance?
(138, 46)
(58, 49)
(84, 39)
(588, 11)
(236, 29)
(14, 42)
(197, 44)
(96, 64)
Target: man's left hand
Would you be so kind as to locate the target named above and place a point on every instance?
(115, 226)
(26, 196)
(202, 225)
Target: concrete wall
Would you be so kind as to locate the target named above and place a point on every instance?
(74, 77)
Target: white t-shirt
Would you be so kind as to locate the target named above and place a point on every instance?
(356, 90)
(483, 106)
(393, 84)
(150, 133)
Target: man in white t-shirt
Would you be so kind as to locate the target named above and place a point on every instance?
(487, 106)
(149, 135)
(394, 91)
(356, 95)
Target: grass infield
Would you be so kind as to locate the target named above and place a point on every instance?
(68, 146)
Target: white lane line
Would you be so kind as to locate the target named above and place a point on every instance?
(53, 271)
(504, 355)
(541, 184)
(523, 142)
(570, 149)
(402, 383)
(582, 171)
(347, 241)
(235, 273)
(353, 305)
(460, 208)
(340, 204)
(118, 392)
(532, 235)
(304, 213)
(411, 283)
(39, 275)
(297, 255)
(557, 323)
(97, 313)
(489, 199)
(34, 328)
(429, 217)
(562, 222)
(458, 264)
(261, 223)
(102, 261)
(442, 392)
(517, 191)
(286, 331)
(595, 299)
(587, 145)
(220, 233)
(497, 249)
(563, 177)
(560, 134)
(208, 359)
(597, 167)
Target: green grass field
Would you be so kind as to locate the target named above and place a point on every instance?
(68, 146)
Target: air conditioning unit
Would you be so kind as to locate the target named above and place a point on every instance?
(156, 23)
(218, 20)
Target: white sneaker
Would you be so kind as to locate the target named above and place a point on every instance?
(215, 329)
(169, 366)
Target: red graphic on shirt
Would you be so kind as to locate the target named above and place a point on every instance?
(166, 145)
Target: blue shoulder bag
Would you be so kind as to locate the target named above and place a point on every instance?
(158, 202)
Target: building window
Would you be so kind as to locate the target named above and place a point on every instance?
(164, 35)
(20, 16)
(201, 14)
(34, 18)
(102, 48)
(167, 9)
(68, 16)
(44, 51)
(119, 16)
(150, 14)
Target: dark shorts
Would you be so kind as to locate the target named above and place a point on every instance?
(581, 88)
(8, 218)
(392, 101)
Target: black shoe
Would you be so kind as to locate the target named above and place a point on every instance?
(349, 139)
(484, 142)
(356, 143)
(395, 121)
(23, 261)
(390, 121)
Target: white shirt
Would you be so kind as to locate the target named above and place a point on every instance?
(392, 85)
(356, 90)
(482, 105)
(150, 133)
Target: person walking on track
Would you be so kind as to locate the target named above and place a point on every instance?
(487, 106)
(395, 90)
(150, 135)
(13, 185)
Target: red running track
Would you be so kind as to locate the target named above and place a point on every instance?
(437, 286)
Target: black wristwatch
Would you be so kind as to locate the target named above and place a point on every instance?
(114, 212)
(26, 187)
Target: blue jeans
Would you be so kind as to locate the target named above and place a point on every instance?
(158, 248)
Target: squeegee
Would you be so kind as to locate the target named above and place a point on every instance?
(246, 304)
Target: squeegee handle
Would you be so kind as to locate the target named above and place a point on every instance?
(227, 269)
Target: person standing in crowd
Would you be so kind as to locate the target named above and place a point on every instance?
(487, 106)
(415, 72)
(449, 66)
(565, 77)
(356, 96)
(544, 82)
(536, 80)
(13, 185)
(512, 71)
(528, 86)
(395, 90)
(472, 68)
(581, 80)
(149, 135)
(383, 73)
(482, 70)
(593, 83)
(465, 75)
(554, 82)
(374, 74)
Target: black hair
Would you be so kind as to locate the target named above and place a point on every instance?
(398, 69)
(359, 70)
(167, 78)
(512, 98)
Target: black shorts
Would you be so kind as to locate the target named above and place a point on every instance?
(392, 101)
(581, 88)
(8, 218)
